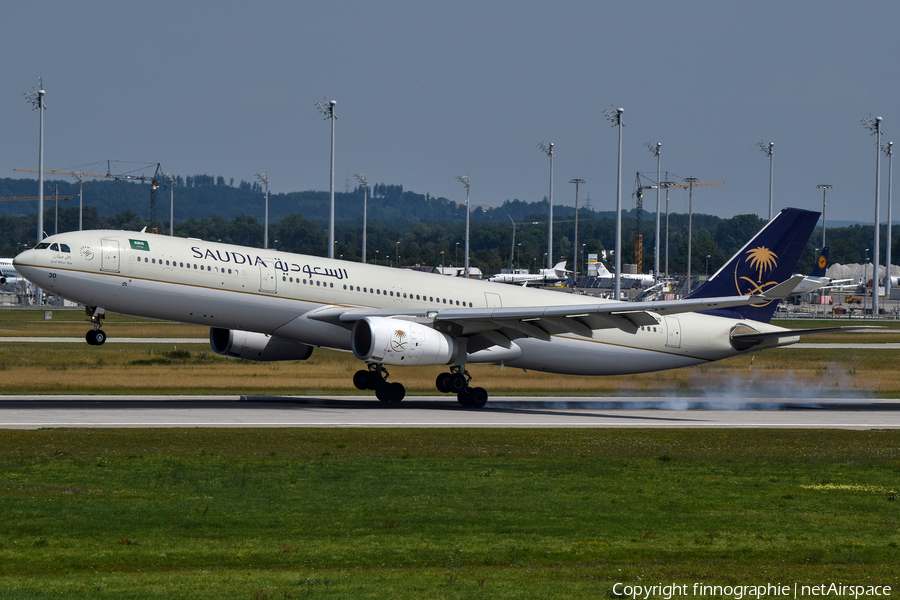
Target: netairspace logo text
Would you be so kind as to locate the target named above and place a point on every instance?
(739, 592)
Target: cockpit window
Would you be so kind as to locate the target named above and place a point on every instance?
(54, 247)
(64, 248)
(42, 246)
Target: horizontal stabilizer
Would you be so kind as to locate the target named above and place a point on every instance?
(758, 336)
(783, 289)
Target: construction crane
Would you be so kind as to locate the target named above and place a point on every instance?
(638, 194)
(80, 175)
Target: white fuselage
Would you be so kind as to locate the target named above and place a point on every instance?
(279, 293)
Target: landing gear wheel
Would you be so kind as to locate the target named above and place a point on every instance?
(443, 383)
(361, 380)
(473, 397)
(390, 392)
(457, 382)
(478, 397)
(95, 337)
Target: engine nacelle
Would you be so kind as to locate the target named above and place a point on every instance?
(398, 342)
(248, 345)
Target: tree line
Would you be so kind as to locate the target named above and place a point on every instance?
(442, 241)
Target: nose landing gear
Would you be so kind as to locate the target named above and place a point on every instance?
(96, 336)
(457, 382)
(375, 378)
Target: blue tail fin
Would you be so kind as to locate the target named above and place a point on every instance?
(766, 260)
(821, 262)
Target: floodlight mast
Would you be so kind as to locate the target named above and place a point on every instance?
(464, 179)
(365, 183)
(616, 118)
(264, 177)
(769, 150)
(889, 150)
(575, 251)
(549, 151)
(690, 181)
(36, 99)
(823, 187)
(655, 150)
(875, 126)
(667, 185)
(327, 109)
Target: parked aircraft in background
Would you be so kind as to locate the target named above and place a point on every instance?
(543, 277)
(8, 273)
(816, 279)
(267, 305)
(602, 271)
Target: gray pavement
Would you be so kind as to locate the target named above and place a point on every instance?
(32, 412)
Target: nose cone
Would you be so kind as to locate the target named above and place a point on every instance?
(24, 262)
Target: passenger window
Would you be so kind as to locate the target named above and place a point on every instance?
(318, 283)
(330, 285)
(378, 292)
(154, 261)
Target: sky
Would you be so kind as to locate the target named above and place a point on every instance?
(427, 91)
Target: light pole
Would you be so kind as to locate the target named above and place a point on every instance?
(823, 187)
(655, 150)
(887, 259)
(549, 151)
(769, 150)
(80, 178)
(264, 177)
(875, 125)
(376, 257)
(617, 122)
(456, 256)
(518, 254)
(442, 262)
(365, 183)
(690, 181)
(707, 267)
(36, 98)
(398, 254)
(575, 247)
(866, 269)
(327, 109)
(667, 185)
(464, 179)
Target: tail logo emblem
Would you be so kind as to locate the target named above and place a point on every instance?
(763, 261)
(821, 262)
(398, 341)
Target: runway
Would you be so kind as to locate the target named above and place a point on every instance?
(33, 412)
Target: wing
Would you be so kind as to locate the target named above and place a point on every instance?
(539, 321)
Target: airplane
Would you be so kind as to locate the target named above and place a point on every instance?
(544, 276)
(8, 273)
(271, 305)
(602, 271)
(816, 279)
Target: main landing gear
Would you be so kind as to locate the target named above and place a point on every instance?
(457, 382)
(96, 336)
(375, 378)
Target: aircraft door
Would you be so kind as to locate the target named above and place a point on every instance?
(673, 332)
(493, 300)
(109, 255)
(268, 278)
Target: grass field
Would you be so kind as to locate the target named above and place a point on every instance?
(219, 513)
(30, 368)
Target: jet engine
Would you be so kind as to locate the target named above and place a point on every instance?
(398, 342)
(248, 345)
